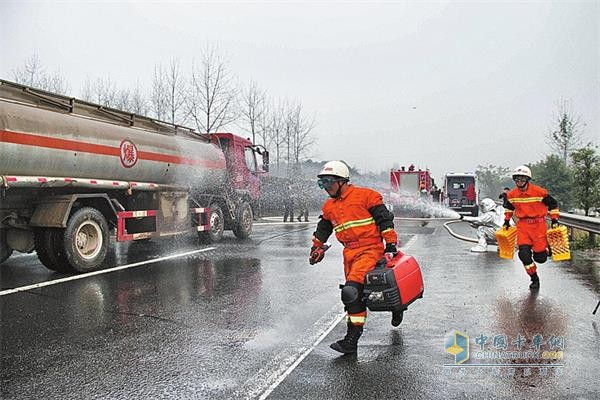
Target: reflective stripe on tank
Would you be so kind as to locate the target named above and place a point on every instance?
(354, 224)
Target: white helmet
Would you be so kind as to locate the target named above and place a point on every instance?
(522, 170)
(335, 168)
(487, 205)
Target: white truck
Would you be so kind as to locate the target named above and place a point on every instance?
(461, 192)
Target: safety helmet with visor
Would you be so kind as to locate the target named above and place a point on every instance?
(522, 172)
(332, 172)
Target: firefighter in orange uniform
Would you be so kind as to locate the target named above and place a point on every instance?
(531, 204)
(361, 223)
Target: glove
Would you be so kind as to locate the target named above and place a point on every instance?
(390, 248)
(316, 255)
(554, 223)
(506, 223)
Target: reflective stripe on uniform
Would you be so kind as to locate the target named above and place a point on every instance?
(353, 224)
(356, 319)
(554, 212)
(532, 265)
(525, 199)
(387, 230)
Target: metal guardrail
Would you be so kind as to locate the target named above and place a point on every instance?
(589, 224)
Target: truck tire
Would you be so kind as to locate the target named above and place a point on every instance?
(217, 226)
(5, 250)
(47, 242)
(85, 240)
(243, 226)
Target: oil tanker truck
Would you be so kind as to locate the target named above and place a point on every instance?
(74, 174)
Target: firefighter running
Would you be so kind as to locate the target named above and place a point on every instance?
(361, 223)
(531, 204)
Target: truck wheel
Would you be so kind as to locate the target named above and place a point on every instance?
(47, 242)
(5, 250)
(243, 226)
(85, 240)
(217, 226)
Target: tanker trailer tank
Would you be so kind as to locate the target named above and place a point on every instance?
(71, 172)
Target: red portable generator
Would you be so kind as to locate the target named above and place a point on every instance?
(392, 285)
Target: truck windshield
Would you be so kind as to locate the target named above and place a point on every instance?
(250, 159)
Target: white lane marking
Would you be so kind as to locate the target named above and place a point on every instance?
(289, 370)
(411, 241)
(282, 363)
(104, 271)
(278, 379)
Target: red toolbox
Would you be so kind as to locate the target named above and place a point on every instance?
(392, 285)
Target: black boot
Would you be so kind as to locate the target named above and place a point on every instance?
(535, 282)
(349, 344)
(397, 317)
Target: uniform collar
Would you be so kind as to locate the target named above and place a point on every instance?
(347, 192)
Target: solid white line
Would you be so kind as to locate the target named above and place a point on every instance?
(103, 271)
(410, 243)
(291, 368)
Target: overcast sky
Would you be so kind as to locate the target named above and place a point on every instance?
(447, 85)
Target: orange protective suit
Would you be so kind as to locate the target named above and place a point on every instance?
(531, 207)
(361, 223)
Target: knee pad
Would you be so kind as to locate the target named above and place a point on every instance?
(525, 254)
(352, 293)
(540, 257)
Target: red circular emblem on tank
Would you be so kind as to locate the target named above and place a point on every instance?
(128, 154)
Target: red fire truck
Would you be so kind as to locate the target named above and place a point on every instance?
(409, 188)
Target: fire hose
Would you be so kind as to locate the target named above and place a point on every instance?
(456, 235)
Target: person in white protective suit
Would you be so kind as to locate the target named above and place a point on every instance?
(490, 219)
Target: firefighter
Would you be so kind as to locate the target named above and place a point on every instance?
(531, 204)
(361, 223)
(487, 223)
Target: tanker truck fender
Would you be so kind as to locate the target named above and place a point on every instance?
(54, 211)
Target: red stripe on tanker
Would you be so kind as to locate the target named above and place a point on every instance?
(34, 139)
(83, 147)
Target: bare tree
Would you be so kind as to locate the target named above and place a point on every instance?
(32, 73)
(302, 127)
(212, 96)
(158, 95)
(276, 130)
(176, 96)
(264, 125)
(168, 96)
(121, 100)
(137, 102)
(102, 91)
(253, 109)
(567, 133)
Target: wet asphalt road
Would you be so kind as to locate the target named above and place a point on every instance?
(251, 319)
